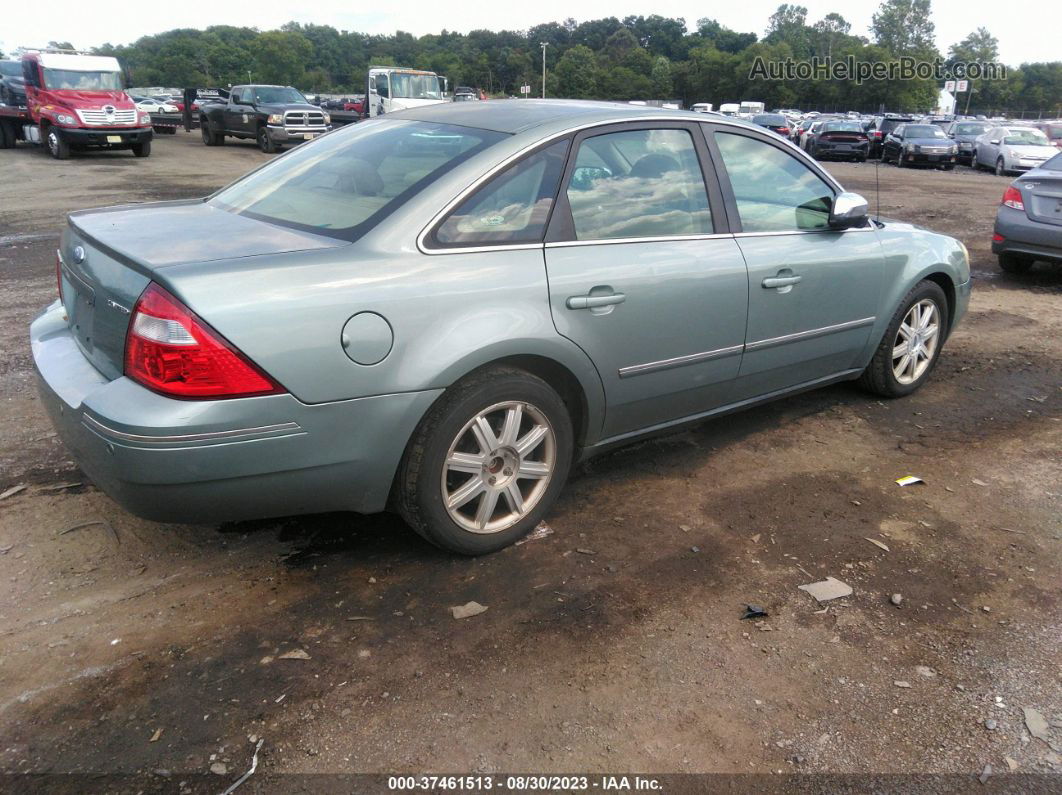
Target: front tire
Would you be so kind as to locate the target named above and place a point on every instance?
(486, 462)
(265, 143)
(911, 345)
(1001, 170)
(142, 149)
(57, 147)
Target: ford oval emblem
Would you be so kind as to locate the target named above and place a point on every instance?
(79, 255)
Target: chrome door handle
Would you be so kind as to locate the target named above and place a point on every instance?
(780, 281)
(594, 301)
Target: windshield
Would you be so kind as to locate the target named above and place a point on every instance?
(82, 81)
(1054, 131)
(923, 131)
(274, 95)
(1026, 138)
(412, 86)
(345, 183)
(1054, 164)
(970, 129)
(11, 68)
(772, 119)
(842, 126)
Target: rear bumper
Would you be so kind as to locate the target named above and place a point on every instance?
(1022, 235)
(830, 149)
(225, 460)
(101, 137)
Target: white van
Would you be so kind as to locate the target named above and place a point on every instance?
(701, 107)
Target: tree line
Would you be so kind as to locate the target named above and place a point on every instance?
(635, 58)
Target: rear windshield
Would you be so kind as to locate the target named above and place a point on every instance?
(85, 81)
(348, 181)
(11, 68)
(1054, 131)
(891, 124)
(1054, 164)
(842, 126)
(773, 119)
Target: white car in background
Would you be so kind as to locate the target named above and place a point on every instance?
(149, 105)
(1010, 149)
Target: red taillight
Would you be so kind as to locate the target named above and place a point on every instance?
(998, 238)
(1012, 198)
(59, 274)
(170, 350)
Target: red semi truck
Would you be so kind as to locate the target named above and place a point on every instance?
(75, 102)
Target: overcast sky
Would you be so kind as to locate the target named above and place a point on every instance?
(1027, 30)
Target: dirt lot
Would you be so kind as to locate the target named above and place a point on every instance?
(614, 644)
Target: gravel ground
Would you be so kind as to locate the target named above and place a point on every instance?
(616, 643)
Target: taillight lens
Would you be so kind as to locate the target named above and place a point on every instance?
(170, 350)
(1012, 198)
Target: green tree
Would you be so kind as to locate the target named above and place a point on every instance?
(281, 57)
(904, 27)
(576, 74)
(788, 25)
(660, 76)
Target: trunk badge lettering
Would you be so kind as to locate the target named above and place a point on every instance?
(119, 307)
(79, 255)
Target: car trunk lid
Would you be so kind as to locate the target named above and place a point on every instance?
(107, 258)
(1042, 197)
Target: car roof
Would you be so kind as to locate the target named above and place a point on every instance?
(518, 115)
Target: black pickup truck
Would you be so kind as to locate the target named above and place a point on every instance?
(271, 115)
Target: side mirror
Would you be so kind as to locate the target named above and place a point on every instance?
(848, 210)
(994, 141)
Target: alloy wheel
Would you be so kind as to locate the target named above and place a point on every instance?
(498, 467)
(916, 342)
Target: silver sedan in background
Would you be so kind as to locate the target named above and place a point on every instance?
(1009, 149)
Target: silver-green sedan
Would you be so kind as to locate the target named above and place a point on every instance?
(441, 310)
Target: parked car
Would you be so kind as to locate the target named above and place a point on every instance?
(807, 138)
(924, 144)
(798, 130)
(152, 105)
(273, 116)
(12, 84)
(843, 140)
(775, 122)
(1053, 131)
(375, 319)
(1010, 149)
(881, 128)
(1029, 219)
(965, 134)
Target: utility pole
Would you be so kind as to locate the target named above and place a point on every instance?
(545, 44)
(248, 75)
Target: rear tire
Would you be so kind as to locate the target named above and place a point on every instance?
(1012, 263)
(881, 376)
(210, 138)
(486, 462)
(142, 149)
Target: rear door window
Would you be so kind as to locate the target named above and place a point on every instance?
(638, 183)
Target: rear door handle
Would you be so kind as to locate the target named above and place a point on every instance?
(780, 281)
(594, 301)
